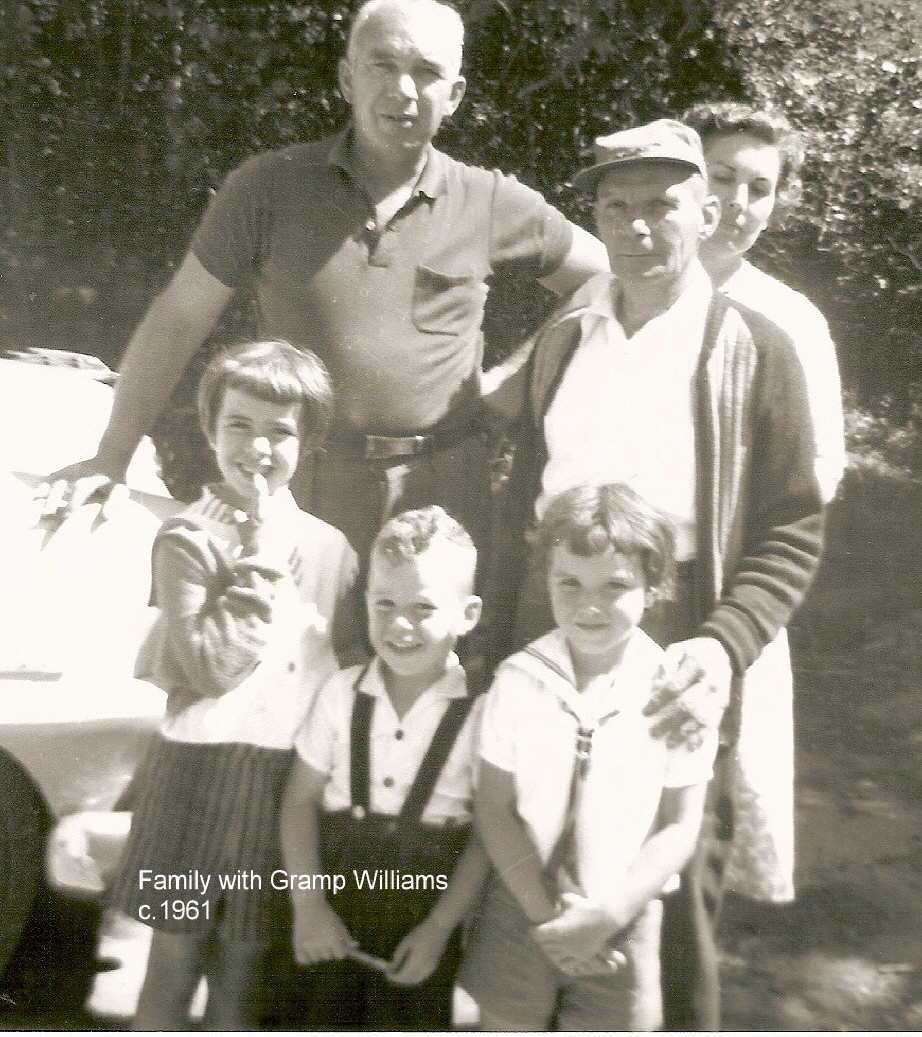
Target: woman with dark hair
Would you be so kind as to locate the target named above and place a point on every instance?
(753, 158)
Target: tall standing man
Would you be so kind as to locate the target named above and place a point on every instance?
(372, 248)
(649, 377)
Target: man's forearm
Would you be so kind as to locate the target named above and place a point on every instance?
(148, 376)
(783, 523)
(173, 329)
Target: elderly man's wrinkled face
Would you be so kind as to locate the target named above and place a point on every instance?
(652, 219)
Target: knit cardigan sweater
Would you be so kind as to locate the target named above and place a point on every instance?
(246, 629)
(758, 506)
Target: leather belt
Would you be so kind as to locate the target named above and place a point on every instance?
(346, 443)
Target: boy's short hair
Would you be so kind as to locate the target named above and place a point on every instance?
(271, 370)
(411, 533)
(591, 518)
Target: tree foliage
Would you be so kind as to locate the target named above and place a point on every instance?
(847, 72)
(126, 113)
(119, 117)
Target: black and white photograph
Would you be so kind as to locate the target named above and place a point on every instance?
(461, 515)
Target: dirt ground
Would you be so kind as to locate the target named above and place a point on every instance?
(847, 955)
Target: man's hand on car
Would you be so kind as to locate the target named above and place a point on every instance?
(84, 482)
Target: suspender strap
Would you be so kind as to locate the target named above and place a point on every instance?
(433, 763)
(360, 753)
(435, 759)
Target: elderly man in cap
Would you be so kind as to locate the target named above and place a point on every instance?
(649, 377)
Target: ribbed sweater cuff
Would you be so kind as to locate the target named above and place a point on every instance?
(741, 641)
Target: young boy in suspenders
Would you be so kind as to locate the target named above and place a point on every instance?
(378, 808)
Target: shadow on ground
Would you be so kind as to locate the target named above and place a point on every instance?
(847, 955)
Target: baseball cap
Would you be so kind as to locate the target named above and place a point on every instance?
(665, 140)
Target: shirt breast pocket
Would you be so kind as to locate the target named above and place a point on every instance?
(447, 304)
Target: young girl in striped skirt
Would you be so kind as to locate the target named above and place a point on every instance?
(247, 585)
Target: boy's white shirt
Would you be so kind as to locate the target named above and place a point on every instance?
(323, 742)
(527, 732)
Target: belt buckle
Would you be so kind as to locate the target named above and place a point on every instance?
(379, 448)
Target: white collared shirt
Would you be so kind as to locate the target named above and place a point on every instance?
(397, 744)
(527, 732)
(624, 409)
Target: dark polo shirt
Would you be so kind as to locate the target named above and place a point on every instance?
(394, 311)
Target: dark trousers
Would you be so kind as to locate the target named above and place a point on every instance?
(349, 996)
(343, 995)
(359, 496)
(689, 963)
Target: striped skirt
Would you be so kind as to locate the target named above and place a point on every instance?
(204, 840)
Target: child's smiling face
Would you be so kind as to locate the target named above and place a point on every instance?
(597, 600)
(253, 437)
(417, 609)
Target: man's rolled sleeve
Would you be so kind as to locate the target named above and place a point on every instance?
(229, 240)
(526, 232)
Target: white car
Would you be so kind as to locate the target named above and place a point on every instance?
(74, 722)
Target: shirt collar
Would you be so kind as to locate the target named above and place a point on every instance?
(549, 660)
(686, 313)
(432, 181)
(694, 301)
(601, 303)
(451, 685)
(552, 648)
(550, 656)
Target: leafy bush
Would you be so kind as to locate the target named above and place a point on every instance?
(120, 116)
(881, 444)
(847, 74)
(123, 116)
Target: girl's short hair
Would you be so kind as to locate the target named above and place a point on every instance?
(724, 118)
(591, 518)
(274, 371)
